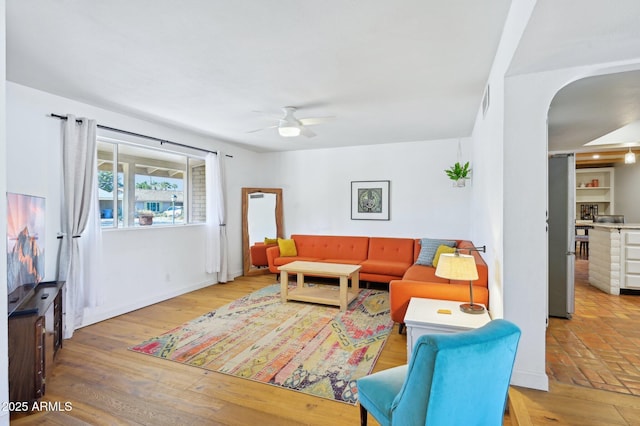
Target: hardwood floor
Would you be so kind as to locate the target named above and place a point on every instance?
(106, 384)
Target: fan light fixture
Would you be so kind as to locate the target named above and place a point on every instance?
(289, 131)
(629, 157)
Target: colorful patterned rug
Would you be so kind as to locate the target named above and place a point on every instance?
(305, 347)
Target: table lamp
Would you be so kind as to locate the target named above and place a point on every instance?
(458, 266)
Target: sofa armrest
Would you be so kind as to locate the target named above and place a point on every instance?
(272, 254)
(401, 292)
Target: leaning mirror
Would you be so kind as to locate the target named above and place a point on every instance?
(261, 219)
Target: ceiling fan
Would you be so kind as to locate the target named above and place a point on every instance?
(290, 126)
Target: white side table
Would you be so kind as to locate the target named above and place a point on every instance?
(422, 318)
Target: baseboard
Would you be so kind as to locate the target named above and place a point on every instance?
(98, 315)
(530, 380)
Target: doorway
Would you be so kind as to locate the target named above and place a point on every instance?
(597, 346)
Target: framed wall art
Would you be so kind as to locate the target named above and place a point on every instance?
(370, 200)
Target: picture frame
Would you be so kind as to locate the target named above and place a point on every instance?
(370, 200)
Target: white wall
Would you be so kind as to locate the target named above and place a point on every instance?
(423, 203)
(626, 199)
(141, 266)
(527, 100)
(4, 376)
(501, 184)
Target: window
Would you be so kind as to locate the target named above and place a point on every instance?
(153, 187)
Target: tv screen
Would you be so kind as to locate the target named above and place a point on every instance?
(25, 244)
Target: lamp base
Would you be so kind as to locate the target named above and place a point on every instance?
(472, 309)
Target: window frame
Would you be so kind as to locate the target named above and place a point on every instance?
(190, 161)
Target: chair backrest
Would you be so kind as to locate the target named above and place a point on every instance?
(459, 378)
(608, 218)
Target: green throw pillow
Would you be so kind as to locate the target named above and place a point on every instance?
(442, 249)
(287, 248)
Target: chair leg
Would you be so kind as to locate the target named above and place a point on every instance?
(363, 416)
(400, 328)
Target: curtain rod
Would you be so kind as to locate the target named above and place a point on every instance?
(126, 132)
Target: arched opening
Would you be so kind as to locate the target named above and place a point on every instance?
(597, 119)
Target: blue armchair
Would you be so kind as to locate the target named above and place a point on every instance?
(452, 379)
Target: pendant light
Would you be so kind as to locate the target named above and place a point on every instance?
(629, 157)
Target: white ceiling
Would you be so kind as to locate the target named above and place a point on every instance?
(390, 71)
(596, 113)
(573, 33)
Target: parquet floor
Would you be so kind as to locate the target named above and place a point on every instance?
(600, 346)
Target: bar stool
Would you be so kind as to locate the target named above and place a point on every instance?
(584, 244)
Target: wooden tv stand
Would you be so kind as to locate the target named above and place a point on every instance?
(35, 336)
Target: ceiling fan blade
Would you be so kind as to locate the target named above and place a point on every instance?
(315, 120)
(264, 128)
(304, 131)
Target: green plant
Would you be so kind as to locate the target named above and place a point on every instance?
(458, 171)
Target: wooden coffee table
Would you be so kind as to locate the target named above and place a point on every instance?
(320, 294)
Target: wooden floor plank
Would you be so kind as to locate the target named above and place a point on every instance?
(109, 385)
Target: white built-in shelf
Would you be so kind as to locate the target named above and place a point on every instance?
(601, 196)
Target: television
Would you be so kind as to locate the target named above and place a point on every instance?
(25, 246)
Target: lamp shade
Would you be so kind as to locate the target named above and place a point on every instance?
(457, 267)
(629, 157)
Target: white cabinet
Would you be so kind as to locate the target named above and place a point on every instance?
(594, 192)
(630, 276)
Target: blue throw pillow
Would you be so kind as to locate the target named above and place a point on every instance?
(428, 248)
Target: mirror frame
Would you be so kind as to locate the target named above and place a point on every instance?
(246, 256)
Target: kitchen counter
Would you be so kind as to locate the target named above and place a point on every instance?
(616, 225)
(614, 257)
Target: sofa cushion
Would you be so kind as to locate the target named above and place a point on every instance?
(279, 261)
(442, 249)
(394, 249)
(332, 247)
(270, 240)
(423, 273)
(342, 261)
(287, 247)
(428, 247)
(384, 267)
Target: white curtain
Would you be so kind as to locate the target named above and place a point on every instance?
(80, 248)
(217, 246)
